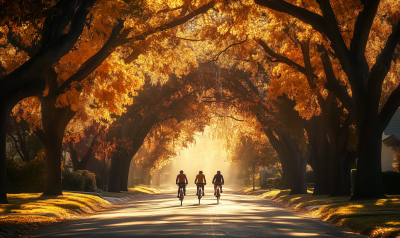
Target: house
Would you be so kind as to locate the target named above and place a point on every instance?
(390, 140)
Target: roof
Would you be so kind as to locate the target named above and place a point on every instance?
(392, 140)
(394, 125)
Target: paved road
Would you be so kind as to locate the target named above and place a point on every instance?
(161, 215)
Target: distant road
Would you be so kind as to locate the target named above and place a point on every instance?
(162, 216)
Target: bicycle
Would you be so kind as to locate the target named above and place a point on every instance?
(181, 193)
(200, 192)
(217, 193)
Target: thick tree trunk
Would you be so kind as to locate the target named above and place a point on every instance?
(54, 120)
(4, 114)
(283, 154)
(298, 163)
(125, 173)
(53, 147)
(114, 182)
(369, 171)
(348, 164)
(320, 154)
(338, 184)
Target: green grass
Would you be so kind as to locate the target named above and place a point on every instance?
(366, 217)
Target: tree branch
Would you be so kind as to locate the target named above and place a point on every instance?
(378, 75)
(333, 83)
(363, 27)
(313, 19)
(282, 59)
(215, 58)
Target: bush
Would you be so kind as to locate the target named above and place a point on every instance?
(26, 177)
(72, 181)
(310, 177)
(90, 180)
(391, 183)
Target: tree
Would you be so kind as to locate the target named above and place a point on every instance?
(174, 104)
(365, 71)
(251, 151)
(68, 91)
(28, 79)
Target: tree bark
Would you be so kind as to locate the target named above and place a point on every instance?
(298, 163)
(115, 174)
(54, 120)
(125, 172)
(82, 164)
(351, 158)
(320, 154)
(369, 170)
(283, 154)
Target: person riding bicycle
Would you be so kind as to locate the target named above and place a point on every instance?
(218, 180)
(200, 181)
(182, 181)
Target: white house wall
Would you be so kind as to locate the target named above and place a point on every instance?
(387, 158)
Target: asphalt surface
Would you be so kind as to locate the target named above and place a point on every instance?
(163, 216)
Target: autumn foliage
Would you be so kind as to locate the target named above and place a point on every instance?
(308, 82)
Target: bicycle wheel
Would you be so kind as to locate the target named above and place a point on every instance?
(199, 195)
(218, 195)
(181, 196)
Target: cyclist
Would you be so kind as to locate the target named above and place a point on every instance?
(182, 181)
(200, 181)
(218, 180)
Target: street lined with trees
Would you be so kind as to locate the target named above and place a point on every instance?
(121, 84)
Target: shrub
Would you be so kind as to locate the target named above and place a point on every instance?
(90, 180)
(25, 177)
(72, 181)
(391, 183)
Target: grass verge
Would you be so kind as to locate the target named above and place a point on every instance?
(142, 190)
(373, 218)
(33, 210)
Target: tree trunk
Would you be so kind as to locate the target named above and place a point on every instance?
(54, 120)
(320, 154)
(115, 174)
(53, 147)
(369, 171)
(299, 164)
(254, 178)
(5, 110)
(348, 164)
(338, 185)
(156, 178)
(125, 173)
(283, 154)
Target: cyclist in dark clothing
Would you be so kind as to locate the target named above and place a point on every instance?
(218, 180)
(182, 181)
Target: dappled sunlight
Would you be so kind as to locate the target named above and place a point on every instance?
(303, 234)
(58, 207)
(236, 215)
